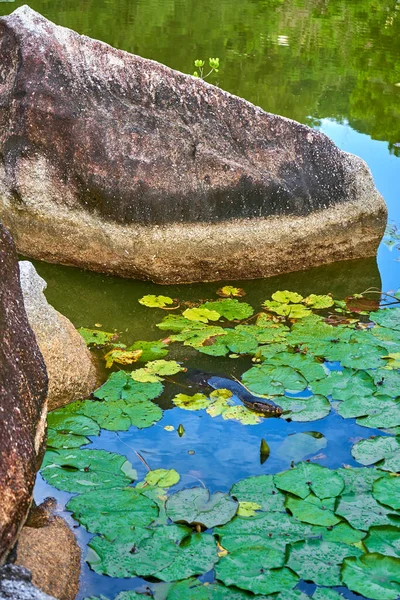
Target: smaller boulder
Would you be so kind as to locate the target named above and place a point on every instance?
(70, 367)
(49, 550)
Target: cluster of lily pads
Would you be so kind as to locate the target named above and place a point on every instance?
(309, 356)
(332, 528)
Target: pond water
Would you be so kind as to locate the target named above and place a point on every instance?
(331, 64)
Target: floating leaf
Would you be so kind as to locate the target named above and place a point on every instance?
(307, 477)
(120, 386)
(113, 514)
(163, 478)
(195, 402)
(256, 569)
(153, 301)
(230, 309)
(319, 561)
(196, 505)
(304, 409)
(384, 451)
(312, 510)
(387, 317)
(343, 533)
(259, 490)
(67, 430)
(384, 539)
(155, 370)
(318, 302)
(228, 290)
(201, 314)
(387, 491)
(286, 297)
(94, 337)
(248, 509)
(373, 575)
(273, 380)
(150, 350)
(78, 470)
(193, 589)
(122, 357)
(362, 511)
(290, 311)
(197, 554)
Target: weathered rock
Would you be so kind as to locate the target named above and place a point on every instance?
(16, 584)
(49, 550)
(120, 164)
(70, 367)
(23, 389)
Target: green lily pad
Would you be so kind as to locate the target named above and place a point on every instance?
(258, 569)
(79, 470)
(260, 490)
(362, 511)
(387, 317)
(284, 297)
(150, 350)
(120, 386)
(308, 366)
(304, 410)
(60, 440)
(153, 301)
(197, 554)
(144, 552)
(385, 414)
(162, 478)
(273, 380)
(201, 314)
(387, 491)
(248, 509)
(307, 477)
(318, 302)
(387, 382)
(113, 514)
(94, 337)
(384, 539)
(229, 290)
(358, 480)
(344, 534)
(298, 446)
(319, 561)
(230, 308)
(196, 505)
(383, 451)
(373, 575)
(67, 430)
(155, 370)
(312, 510)
(326, 594)
(290, 311)
(121, 357)
(342, 385)
(193, 589)
(195, 402)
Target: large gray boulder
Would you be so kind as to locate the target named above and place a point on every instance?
(70, 367)
(119, 164)
(23, 389)
(16, 584)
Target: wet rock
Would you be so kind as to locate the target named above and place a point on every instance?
(49, 550)
(16, 584)
(23, 389)
(70, 367)
(120, 164)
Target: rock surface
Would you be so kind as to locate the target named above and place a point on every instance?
(23, 389)
(16, 584)
(120, 164)
(49, 550)
(70, 367)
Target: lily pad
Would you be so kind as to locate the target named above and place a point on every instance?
(201, 314)
(373, 575)
(153, 301)
(193, 589)
(229, 290)
(362, 511)
(298, 446)
(260, 490)
(113, 514)
(318, 302)
(307, 477)
(230, 308)
(258, 569)
(303, 410)
(67, 430)
(162, 478)
(343, 533)
(286, 297)
(120, 386)
(79, 470)
(197, 505)
(195, 402)
(387, 317)
(387, 491)
(384, 539)
(197, 554)
(290, 311)
(150, 350)
(312, 510)
(319, 561)
(155, 370)
(121, 357)
(94, 337)
(383, 451)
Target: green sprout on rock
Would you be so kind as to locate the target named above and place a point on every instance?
(200, 64)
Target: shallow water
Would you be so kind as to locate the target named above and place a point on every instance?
(333, 65)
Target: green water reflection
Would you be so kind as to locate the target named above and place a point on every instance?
(305, 59)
